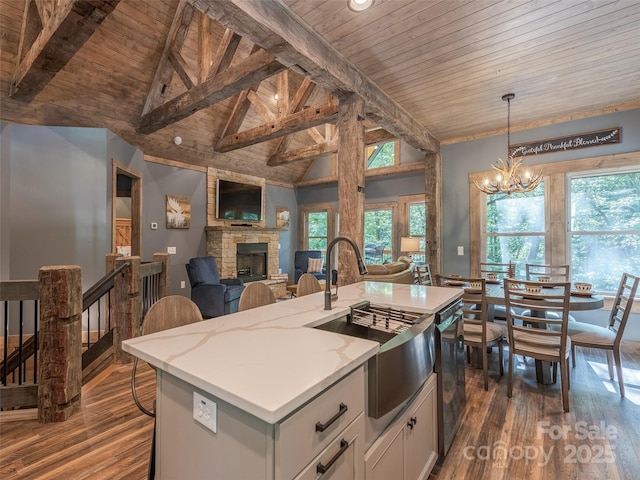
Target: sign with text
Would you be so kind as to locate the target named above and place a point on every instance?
(573, 142)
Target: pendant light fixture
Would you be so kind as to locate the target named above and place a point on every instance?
(511, 177)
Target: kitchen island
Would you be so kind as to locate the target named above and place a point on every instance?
(260, 371)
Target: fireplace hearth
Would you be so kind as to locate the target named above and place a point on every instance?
(251, 261)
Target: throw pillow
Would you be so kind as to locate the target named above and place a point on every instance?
(315, 265)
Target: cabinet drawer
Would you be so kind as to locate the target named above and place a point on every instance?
(342, 458)
(299, 439)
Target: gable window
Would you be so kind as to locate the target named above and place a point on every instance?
(604, 227)
(382, 155)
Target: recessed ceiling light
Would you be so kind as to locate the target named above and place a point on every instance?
(359, 5)
(177, 140)
(275, 97)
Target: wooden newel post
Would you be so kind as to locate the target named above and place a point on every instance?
(59, 343)
(128, 307)
(163, 287)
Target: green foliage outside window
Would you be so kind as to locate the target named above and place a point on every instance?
(382, 155)
(378, 232)
(418, 227)
(605, 228)
(516, 228)
(317, 231)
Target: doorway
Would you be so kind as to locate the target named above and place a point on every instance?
(126, 210)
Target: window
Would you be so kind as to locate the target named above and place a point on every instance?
(417, 226)
(317, 232)
(381, 155)
(604, 227)
(591, 220)
(378, 233)
(515, 228)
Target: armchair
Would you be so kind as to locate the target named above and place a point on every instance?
(213, 296)
(301, 263)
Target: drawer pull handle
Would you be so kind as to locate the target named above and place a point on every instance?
(321, 427)
(321, 469)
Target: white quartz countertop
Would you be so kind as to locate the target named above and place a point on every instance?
(268, 361)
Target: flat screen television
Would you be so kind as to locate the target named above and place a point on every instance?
(238, 201)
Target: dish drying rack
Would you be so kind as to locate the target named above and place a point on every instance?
(384, 319)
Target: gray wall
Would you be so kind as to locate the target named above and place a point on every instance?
(55, 204)
(55, 200)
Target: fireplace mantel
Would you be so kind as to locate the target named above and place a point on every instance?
(244, 228)
(222, 243)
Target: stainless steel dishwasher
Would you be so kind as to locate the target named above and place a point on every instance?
(449, 365)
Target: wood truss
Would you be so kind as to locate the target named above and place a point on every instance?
(282, 47)
(52, 32)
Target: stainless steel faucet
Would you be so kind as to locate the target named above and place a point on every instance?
(361, 268)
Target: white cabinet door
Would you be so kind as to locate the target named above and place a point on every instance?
(421, 435)
(388, 463)
(407, 450)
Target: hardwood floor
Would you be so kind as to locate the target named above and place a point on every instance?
(530, 437)
(599, 438)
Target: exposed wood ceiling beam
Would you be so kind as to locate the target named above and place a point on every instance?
(175, 40)
(330, 146)
(295, 122)
(62, 28)
(304, 153)
(225, 52)
(277, 29)
(241, 107)
(235, 79)
(302, 95)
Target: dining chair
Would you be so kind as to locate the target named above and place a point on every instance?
(307, 285)
(255, 294)
(608, 338)
(168, 312)
(558, 273)
(479, 334)
(503, 270)
(537, 335)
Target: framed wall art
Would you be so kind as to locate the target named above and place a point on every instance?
(282, 217)
(178, 211)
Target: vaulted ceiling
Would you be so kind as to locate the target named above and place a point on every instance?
(431, 72)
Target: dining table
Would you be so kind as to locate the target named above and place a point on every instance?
(579, 301)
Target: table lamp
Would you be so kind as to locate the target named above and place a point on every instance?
(409, 245)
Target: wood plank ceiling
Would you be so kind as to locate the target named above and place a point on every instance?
(430, 71)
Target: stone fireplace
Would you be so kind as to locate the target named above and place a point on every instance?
(223, 243)
(251, 261)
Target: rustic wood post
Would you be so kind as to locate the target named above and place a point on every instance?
(433, 204)
(59, 342)
(128, 307)
(163, 287)
(350, 184)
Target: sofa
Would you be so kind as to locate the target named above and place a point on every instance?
(400, 271)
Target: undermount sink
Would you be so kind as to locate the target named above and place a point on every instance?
(406, 355)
